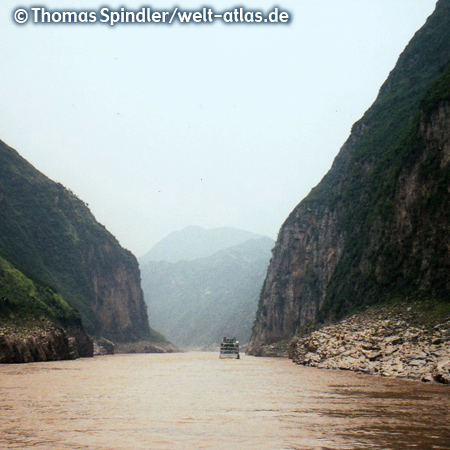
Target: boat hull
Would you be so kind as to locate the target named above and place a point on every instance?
(229, 355)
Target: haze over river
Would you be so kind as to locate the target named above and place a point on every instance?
(197, 401)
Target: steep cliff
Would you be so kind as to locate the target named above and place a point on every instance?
(51, 237)
(376, 227)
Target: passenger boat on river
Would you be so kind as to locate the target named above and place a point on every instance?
(229, 348)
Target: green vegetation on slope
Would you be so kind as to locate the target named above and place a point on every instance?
(438, 92)
(39, 216)
(363, 182)
(50, 235)
(376, 227)
(22, 299)
(397, 267)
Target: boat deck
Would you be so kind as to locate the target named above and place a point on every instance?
(229, 348)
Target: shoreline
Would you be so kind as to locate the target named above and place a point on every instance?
(389, 341)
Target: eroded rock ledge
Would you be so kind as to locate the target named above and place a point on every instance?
(388, 341)
(42, 341)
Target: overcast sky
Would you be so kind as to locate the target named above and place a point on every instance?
(158, 127)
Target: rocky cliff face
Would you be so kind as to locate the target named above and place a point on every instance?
(118, 302)
(42, 341)
(376, 227)
(50, 237)
(292, 292)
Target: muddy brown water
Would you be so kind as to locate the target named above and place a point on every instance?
(197, 401)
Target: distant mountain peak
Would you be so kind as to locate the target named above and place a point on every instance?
(195, 242)
(195, 303)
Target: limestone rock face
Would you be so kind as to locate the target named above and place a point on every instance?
(42, 343)
(117, 298)
(83, 342)
(104, 347)
(441, 371)
(292, 293)
(376, 226)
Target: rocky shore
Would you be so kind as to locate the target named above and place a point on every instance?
(146, 347)
(103, 347)
(389, 341)
(41, 341)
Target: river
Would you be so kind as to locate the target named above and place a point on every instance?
(197, 401)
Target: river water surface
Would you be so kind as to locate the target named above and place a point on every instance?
(197, 401)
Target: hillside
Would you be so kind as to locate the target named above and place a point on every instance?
(195, 303)
(195, 242)
(58, 262)
(376, 228)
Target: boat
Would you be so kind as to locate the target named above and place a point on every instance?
(229, 348)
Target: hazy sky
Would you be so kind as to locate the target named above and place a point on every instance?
(159, 127)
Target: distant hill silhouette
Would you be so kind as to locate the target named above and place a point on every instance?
(197, 302)
(195, 242)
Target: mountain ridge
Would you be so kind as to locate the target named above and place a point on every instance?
(196, 302)
(67, 260)
(355, 240)
(195, 242)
